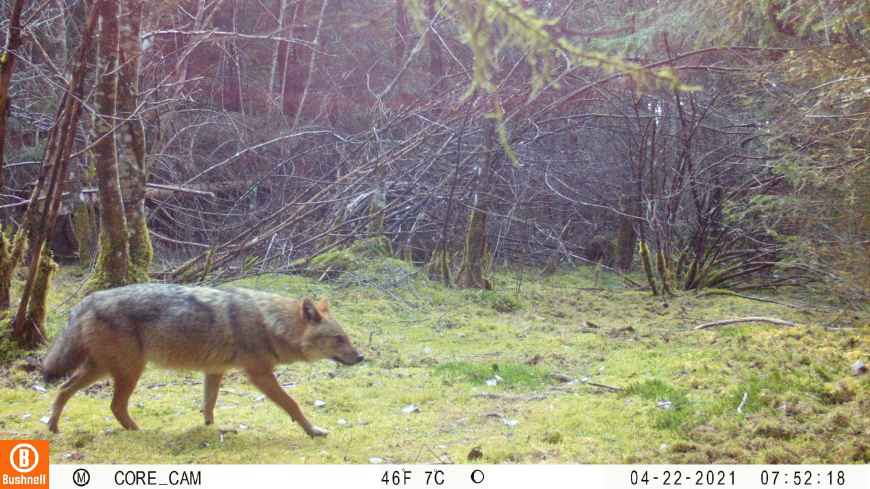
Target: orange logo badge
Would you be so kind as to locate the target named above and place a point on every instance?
(24, 464)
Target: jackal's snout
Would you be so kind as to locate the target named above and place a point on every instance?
(352, 358)
(345, 353)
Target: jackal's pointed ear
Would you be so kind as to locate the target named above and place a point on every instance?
(323, 305)
(309, 312)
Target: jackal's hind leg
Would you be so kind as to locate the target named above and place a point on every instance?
(212, 386)
(84, 376)
(125, 381)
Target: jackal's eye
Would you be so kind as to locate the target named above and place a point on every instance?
(340, 340)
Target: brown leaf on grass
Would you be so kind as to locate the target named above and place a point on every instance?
(627, 330)
(476, 453)
(534, 360)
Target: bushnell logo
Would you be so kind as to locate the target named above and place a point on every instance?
(24, 464)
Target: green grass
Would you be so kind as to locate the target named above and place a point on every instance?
(435, 348)
(497, 300)
(505, 375)
(672, 404)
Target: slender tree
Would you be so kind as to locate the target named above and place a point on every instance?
(7, 66)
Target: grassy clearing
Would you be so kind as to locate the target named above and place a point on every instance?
(543, 338)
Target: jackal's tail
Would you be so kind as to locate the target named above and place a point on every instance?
(66, 354)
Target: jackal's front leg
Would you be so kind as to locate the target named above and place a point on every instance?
(212, 385)
(268, 384)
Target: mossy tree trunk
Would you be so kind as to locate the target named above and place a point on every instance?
(438, 267)
(32, 332)
(84, 215)
(11, 251)
(84, 210)
(132, 167)
(6, 269)
(114, 252)
(85, 225)
(647, 267)
(472, 268)
(664, 272)
(125, 251)
(471, 271)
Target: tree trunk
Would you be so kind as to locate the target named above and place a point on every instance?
(438, 267)
(471, 270)
(7, 268)
(230, 68)
(647, 267)
(664, 272)
(33, 332)
(401, 31)
(84, 217)
(280, 48)
(86, 229)
(436, 62)
(377, 204)
(113, 259)
(626, 236)
(7, 66)
(132, 167)
(295, 61)
(308, 68)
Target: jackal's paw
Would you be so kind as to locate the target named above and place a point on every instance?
(316, 431)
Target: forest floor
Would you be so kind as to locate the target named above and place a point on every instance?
(424, 394)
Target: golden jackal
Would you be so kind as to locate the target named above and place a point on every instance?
(116, 332)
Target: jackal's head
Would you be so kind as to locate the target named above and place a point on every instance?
(324, 337)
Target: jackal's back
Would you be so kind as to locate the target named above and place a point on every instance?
(178, 326)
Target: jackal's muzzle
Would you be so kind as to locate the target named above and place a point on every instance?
(353, 359)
